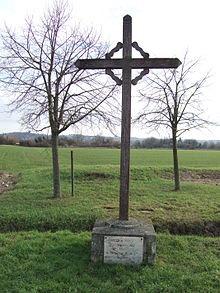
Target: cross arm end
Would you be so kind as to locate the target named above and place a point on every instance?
(178, 62)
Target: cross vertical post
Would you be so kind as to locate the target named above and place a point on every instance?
(126, 119)
(127, 63)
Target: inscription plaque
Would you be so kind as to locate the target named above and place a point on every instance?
(123, 249)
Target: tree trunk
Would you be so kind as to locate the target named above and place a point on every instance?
(56, 168)
(175, 162)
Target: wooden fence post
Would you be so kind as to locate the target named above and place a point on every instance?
(72, 173)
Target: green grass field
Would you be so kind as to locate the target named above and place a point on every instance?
(20, 158)
(45, 243)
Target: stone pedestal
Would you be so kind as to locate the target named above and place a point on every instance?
(123, 242)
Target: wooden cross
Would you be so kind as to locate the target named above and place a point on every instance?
(127, 63)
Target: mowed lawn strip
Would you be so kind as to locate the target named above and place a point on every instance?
(60, 262)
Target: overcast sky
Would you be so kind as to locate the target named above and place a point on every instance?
(162, 28)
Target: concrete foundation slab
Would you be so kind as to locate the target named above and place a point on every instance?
(125, 242)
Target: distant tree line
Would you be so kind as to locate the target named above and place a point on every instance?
(64, 141)
(101, 141)
(188, 144)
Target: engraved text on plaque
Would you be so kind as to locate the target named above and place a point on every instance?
(123, 249)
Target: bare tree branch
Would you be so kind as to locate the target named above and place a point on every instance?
(37, 71)
(172, 99)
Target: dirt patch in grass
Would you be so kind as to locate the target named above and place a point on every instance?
(197, 176)
(202, 228)
(7, 181)
(95, 176)
(109, 208)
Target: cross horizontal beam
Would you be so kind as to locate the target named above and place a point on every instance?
(135, 63)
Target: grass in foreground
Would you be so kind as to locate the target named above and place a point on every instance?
(60, 262)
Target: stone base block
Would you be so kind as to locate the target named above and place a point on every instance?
(123, 242)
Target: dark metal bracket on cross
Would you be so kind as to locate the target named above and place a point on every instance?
(127, 63)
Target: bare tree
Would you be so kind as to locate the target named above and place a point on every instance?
(37, 70)
(173, 100)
